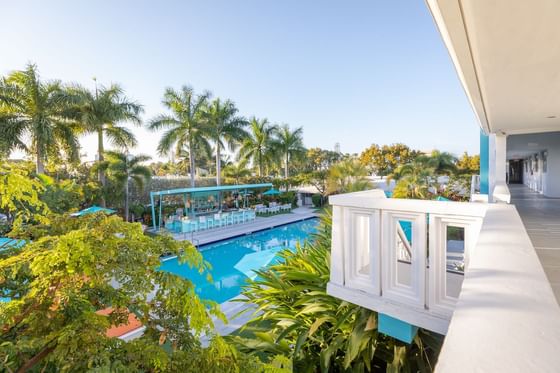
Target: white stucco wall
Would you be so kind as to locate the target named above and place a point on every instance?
(530, 145)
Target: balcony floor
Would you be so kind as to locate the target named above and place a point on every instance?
(541, 217)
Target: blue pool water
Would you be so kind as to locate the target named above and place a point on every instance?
(233, 261)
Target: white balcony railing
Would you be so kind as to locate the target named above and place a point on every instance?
(403, 258)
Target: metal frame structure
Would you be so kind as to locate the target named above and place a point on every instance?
(185, 192)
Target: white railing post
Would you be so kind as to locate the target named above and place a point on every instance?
(337, 246)
(404, 282)
(376, 264)
(362, 265)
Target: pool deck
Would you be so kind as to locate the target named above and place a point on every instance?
(260, 223)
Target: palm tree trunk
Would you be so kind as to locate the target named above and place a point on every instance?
(260, 165)
(126, 200)
(218, 164)
(100, 172)
(100, 150)
(40, 167)
(193, 170)
(286, 166)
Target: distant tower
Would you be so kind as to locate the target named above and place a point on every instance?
(337, 147)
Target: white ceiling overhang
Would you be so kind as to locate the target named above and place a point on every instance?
(507, 56)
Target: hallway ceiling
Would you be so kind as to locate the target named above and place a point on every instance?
(507, 55)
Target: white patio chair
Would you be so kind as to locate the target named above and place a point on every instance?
(217, 220)
(202, 223)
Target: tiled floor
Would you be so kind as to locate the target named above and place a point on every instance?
(541, 217)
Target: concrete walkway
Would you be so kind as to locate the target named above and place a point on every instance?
(260, 223)
(541, 217)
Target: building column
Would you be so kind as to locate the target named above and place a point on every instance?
(497, 162)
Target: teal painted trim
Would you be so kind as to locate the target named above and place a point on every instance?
(407, 228)
(211, 189)
(396, 328)
(484, 163)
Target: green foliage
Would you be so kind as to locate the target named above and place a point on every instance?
(224, 128)
(40, 110)
(122, 168)
(186, 125)
(288, 144)
(63, 196)
(20, 196)
(318, 159)
(258, 146)
(296, 318)
(317, 200)
(347, 176)
(65, 275)
(468, 164)
(288, 197)
(386, 159)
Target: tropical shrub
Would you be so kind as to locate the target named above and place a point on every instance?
(296, 317)
(288, 197)
(62, 196)
(317, 200)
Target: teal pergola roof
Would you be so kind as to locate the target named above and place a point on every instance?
(220, 188)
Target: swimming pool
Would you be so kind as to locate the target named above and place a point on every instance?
(233, 261)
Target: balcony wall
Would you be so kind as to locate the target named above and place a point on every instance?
(505, 317)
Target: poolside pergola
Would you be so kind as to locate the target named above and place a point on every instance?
(192, 193)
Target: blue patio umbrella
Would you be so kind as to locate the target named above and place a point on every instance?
(271, 192)
(92, 210)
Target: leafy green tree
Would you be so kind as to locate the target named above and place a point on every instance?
(320, 333)
(185, 127)
(258, 146)
(20, 196)
(287, 144)
(318, 159)
(65, 276)
(386, 159)
(225, 128)
(124, 167)
(468, 164)
(40, 110)
(103, 112)
(348, 176)
(61, 196)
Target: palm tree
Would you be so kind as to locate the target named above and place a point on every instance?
(225, 128)
(123, 167)
(101, 112)
(443, 163)
(186, 126)
(414, 179)
(288, 144)
(236, 171)
(203, 152)
(348, 176)
(258, 146)
(40, 110)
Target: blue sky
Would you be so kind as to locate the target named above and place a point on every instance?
(353, 72)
